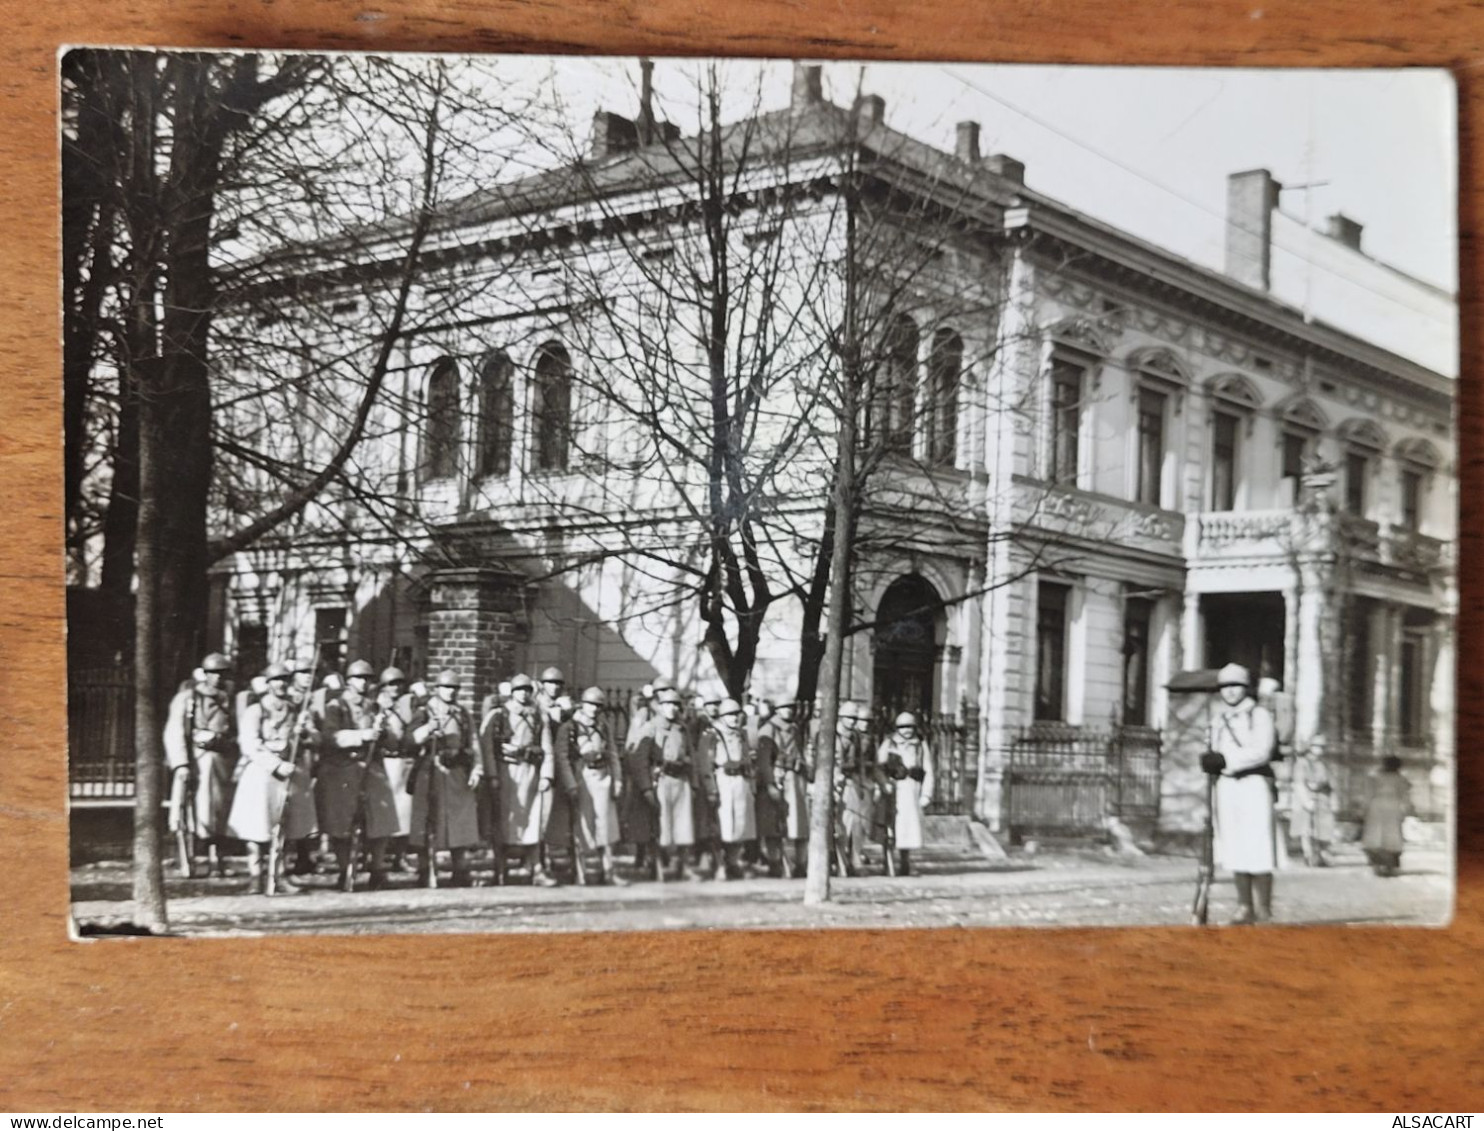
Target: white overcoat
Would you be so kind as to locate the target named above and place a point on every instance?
(1246, 833)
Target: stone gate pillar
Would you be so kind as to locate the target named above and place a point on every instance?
(476, 616)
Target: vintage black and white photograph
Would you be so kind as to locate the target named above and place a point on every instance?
(529, 494)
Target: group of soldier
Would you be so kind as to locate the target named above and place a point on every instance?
(380, 768)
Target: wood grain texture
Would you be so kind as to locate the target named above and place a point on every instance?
(998, 1019)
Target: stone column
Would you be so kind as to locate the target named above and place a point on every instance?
(1311, 675)
(1383, 663)
(1290, 637)
(476, 615)
(1190, 633)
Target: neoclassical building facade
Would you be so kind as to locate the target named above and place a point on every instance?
(1114, 466)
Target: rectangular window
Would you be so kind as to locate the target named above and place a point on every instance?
(329, 638)
(1137, 613)
(1357, 654)
(1411, 697)
(1295, 447)
(1066, 420)
(252, 651)
(1411, 500)
(1224, 428)
(1051, 652)
(1357, 467)
(1151, 447)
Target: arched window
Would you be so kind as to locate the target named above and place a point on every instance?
(496, 414)
(551, 407)
(944, 367)
(441, 426)
(899, 387)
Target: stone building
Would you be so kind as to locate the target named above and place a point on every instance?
(1114, 465)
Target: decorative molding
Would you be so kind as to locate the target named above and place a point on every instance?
(1364, 432)
(1086, 334)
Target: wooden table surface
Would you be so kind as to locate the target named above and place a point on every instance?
(1379, 1019)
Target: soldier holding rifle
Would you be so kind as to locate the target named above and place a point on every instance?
(592, 782)
(516, 746)
(444, 807)
(1241, 744)
(201, 754)
(351, 771)
(729, 770)
(856, 782)
(300, 825)
(668, 761)
(264, 784)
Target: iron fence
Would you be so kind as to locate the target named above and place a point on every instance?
(1068, 780)
(100, 734)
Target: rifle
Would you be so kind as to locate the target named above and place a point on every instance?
(358, 820)
(430, 816)
(574, 810)
(183, 797)
(889, 833)
(1205, 873)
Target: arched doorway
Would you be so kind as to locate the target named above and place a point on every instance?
(909, 626)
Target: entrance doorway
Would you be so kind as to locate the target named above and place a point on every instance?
(909, 625)
(1246, 629)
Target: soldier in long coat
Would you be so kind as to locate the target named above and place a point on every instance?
(666, 758)
(300, 817)
(263, 786)
(591, 777)
(201, 754)
(1240, 750)
(515, 744)
(857, 783)
(397, 760)
(783, 808)
(905, 761)
(353, 788)
(444, 807)
(729, 770)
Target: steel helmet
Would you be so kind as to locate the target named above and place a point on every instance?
(393, 675)
(216, 662)
(1234, 675)
(275, 671)
(553, 675)
(522, 682)
(595, 696)
(906, 719)
(447, 678)
(360, 668)
(728, 707)
(668, 695)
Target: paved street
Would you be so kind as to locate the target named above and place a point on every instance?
(956, 888)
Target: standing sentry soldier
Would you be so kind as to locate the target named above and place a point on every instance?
(267, 766)
(906, 759)
(516, 745)
(1241, 745)
(199, 744)
(592, 783)
(444, 808)
(639, 809)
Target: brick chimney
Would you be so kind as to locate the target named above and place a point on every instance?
(1250, 200)
(1347, 231)
(612, 133)
(1003, 165)
(967, 146)
(870, 110)
(806, 90)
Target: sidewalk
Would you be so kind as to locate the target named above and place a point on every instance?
(1067, 887)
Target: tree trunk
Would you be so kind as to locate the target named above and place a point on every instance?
(811, 643)
(149, 751)
(821, 816)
